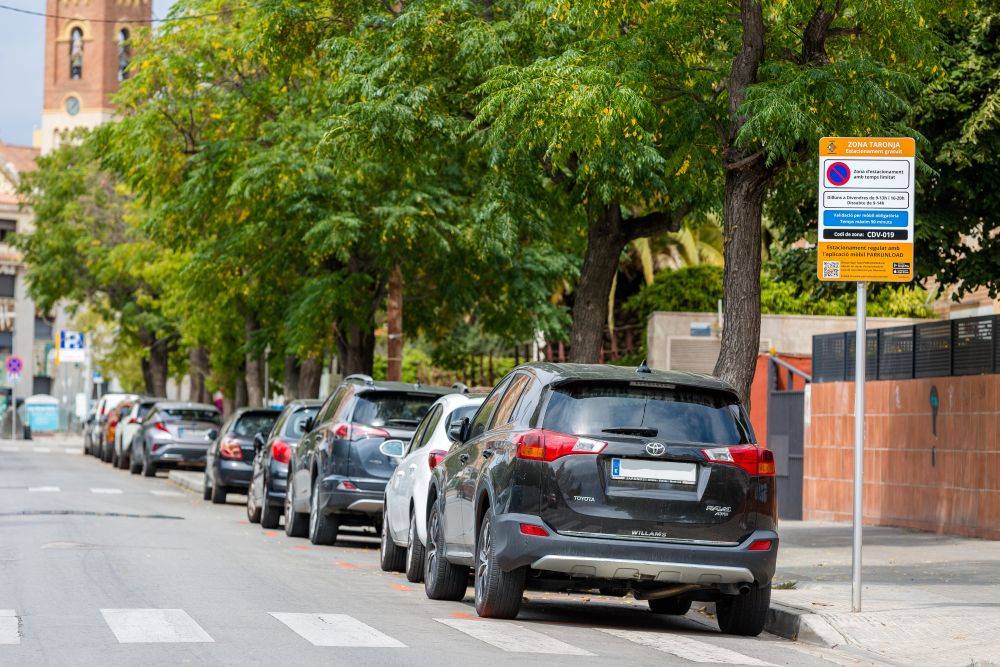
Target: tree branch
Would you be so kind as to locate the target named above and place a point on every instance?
(654, 223)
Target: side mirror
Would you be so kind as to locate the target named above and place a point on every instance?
(308, 424)
(392, 448)
(258, 442)
(213, 434)
(459, 431)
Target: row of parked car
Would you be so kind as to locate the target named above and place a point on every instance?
(563, 477)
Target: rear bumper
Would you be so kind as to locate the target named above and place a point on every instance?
(179, 453)
(233, 474)
(277, 478)
(599, 558)
(337, 501)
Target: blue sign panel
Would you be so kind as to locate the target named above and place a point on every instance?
(864, 218)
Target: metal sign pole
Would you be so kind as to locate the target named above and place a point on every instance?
(860, 350)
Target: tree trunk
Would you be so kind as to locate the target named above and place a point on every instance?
(744, 199)
(747, 175)
(359, 349)
(394, 325)
(590, 300)
(240, 391)
(292, 377)
(159, 357)
(254, 367)
(147, 377)
(198, 368)
(310, 373)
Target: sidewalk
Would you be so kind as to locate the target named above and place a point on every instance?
(926, 598)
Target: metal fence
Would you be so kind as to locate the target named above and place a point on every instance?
(968, 346)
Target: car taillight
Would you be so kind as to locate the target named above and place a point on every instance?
(435, 456)
(160, 426)
(358, 432)
(751, 458)
(542, 445)
(760, 545)
(230, 449)
(281, 451)
(533, 530)
(133, 420)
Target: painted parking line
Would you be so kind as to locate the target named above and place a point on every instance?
(685, 647)
(336, 630)
(44, 489)
(512, 637)
(106, 491)
(166, 494)
(41, 450)
(73, 450)
(145, 626)
(9, 631)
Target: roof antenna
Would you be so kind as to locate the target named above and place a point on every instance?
(643, 367)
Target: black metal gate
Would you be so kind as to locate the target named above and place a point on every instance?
(785, 427)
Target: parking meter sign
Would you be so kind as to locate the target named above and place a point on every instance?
(866, 190)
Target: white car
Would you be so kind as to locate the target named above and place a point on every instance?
(404, 521)
(127, 428)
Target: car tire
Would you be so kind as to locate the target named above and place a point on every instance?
(206, 489)
(442, 580)
(391, 557)
(414, 554)
(296, 523)
(253, 509)
(105, 453)
(219, 493)
(270, 517)
(744, 614)
(498, 593)
(674, 606)
(134, 467)
(323, 528)
(114, 457)
(148, 467)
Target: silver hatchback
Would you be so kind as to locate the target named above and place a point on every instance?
(174, 435)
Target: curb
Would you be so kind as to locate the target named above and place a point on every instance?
(189, 481)
(795, 624)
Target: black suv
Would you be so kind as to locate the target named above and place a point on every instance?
(338, 472)
(583, 478)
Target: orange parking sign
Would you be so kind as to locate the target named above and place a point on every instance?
(866, 189)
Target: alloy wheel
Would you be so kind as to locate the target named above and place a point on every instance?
(483, 564)
(430, 559)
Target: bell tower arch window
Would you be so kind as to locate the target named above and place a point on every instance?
(124, 53)
(76, 53)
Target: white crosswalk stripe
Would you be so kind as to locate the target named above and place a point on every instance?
(144, 626)
(106, 491)
(9, 631)
(10, 449)
(511, 637)
(41, 450)
(167, 494)
(685, 647)
(73, 450)
(44, 489)
(336, 630)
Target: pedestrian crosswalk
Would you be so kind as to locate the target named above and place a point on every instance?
(168, 626)
(105, 491)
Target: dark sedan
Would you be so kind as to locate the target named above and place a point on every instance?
(229, 460)
(266, 496)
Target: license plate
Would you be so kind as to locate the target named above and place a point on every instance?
(192, 433)
(654, 471)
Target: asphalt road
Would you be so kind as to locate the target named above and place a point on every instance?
(101, 567)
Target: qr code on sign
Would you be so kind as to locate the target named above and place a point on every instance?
(831, 269)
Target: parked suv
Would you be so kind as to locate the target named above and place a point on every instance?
(588, 478)
(174, 434)
(337, 474)
(229, 460)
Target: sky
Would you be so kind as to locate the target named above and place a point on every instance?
(22, 39)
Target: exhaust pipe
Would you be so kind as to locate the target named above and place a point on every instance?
(744, 589)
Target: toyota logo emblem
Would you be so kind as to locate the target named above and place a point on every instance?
(655, 449)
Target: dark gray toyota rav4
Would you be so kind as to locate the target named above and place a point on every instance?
(606, 479)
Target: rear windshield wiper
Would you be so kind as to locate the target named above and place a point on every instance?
(632, 430)
(405, 422)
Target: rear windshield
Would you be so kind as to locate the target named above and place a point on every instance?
(191, 414)
(252, 423)
(674, 415)
(385, 408)
(295, 426)
(144, 409)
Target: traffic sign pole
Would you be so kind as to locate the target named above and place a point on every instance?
(860, 352)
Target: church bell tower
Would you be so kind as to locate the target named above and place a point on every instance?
(87, 52)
